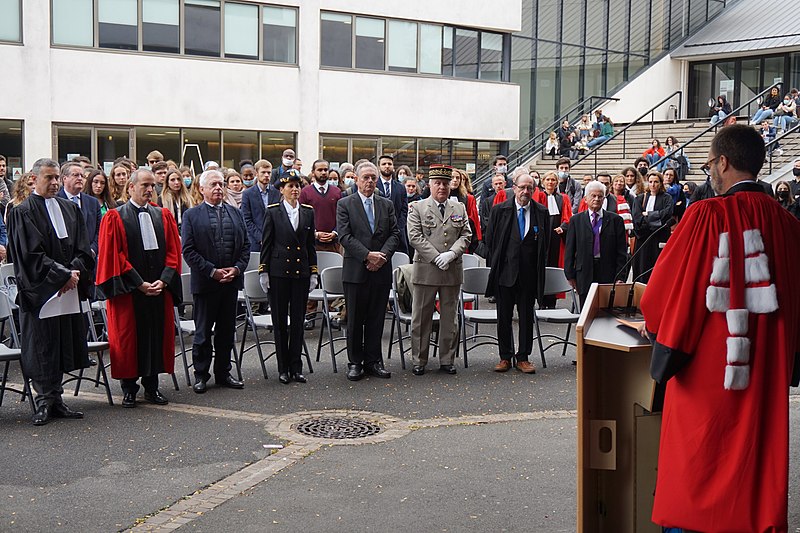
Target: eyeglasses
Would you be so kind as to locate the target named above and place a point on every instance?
(153, 162)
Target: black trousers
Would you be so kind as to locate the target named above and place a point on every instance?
(523, 297)
(366, 309)
(129, 385)
(214, 311)
(287, 302)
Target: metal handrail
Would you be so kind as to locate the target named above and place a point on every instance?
(716, 126)
(624, 130)
(536, 141)
(774, 143)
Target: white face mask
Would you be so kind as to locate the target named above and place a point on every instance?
(349, 181)
(287, 162)
(502, 169)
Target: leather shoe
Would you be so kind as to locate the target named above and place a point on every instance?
(129, 400)
(200, 386)
(92, 361)
(284, 378)
(229, 382)
(448, 369)
(355, 372)
(377, 370)
(299, 377)
(42, 415)
(60, 410)
(418, 370)
(156, 397)
(526, 367)
(503, 366)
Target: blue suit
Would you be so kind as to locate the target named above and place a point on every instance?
(253, 210)
(90, 209)
(398, 197)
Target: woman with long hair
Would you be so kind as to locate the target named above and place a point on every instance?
(98, 187)
(675, 190)
(633, 181)
(118, 184)
(460, 189)
(654, 153)
(651, 212)
(783, 193)
(175, 196)
(560, 210)
(234, 187)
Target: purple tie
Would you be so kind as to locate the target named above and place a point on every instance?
(596, 232)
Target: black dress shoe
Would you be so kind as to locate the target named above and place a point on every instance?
(418, 370)
(42, 415)
(156, 397)
(355, 372)
(60, 410)
(448, 369)
(377, 370)
(200, 386)
(92, 361)
(229, 382)
(284, 378)
(129, 400)
(299, 377)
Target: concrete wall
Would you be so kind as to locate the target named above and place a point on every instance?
(651, 86)
(89, 86)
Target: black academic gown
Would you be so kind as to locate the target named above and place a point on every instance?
(44, 263)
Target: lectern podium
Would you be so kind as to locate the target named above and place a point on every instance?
(617, 432)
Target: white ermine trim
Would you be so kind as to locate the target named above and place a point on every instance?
(737, 321)
(760, 299)
(623, 206)
(738, 350)
(737, 377)
(753, 243)
(626, 216)
(756, 269)
(724, 247)
(718, 299)
(721, 272)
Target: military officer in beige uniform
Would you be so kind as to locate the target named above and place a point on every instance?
(439, 231)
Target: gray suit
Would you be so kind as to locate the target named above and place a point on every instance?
(430, 234)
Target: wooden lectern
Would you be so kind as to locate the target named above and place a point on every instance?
(618, 434)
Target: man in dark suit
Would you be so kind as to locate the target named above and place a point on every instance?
(368, 232)
(596, 243)
(72, 184)
(393, 190)
(255, 200)
(216, 249)
(517, 241)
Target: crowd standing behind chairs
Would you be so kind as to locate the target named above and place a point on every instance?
(132, 219)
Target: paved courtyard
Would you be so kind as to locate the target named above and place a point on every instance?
(478, 451)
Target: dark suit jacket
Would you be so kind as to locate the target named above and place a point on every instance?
(578, 257)
(357, 239)
(286, 252)
(200, 250)
(662, 212)
(253, 212)
(90, 209)
(503, 249)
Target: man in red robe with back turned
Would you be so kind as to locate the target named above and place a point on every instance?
(139, 272)
(724, 309)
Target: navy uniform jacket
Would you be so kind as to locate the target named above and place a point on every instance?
(286, 252)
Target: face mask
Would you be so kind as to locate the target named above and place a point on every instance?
(783, 195)
(287, 162)
(187, 182)
(786, 102)
(562, 175)
(502, 169)
(248, 183)
(349, 182)
(796, 171)
(643, 171)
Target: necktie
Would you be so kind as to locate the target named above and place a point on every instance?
(386, 189)
(596, 232)
(521, 221)
(370, 214)
(76, 200)
(441, 209)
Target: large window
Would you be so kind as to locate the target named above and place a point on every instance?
(209, 28)
(10, 20)
(11, 147)
(392, 45)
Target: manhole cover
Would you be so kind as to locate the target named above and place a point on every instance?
(337, 427)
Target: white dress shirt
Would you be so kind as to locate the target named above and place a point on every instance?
(293, 212)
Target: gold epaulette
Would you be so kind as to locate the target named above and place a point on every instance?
(314, 269)
(308, 206)
(274, 205)
(262, 269)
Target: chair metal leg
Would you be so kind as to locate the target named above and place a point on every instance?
(258, 349)
(321, 332)
(78, 382)
(539, 339)
(183, 347)
(102, 368)
(3, 382)
(308, 356)
(236, 359)
(391, 339)
(566, 340)
(332, 347)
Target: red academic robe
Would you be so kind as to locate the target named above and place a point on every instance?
(140, 343)
(723, 457)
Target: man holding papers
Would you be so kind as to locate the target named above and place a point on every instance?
(47, 238)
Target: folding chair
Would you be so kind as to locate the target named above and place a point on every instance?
(99, 348)
(12, 353)
(330, 281)
(398, 259)
(475, 281)
(555, 282)
(253, 293)
(401, 318)
(324, 260)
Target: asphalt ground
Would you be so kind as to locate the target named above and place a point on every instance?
(484, 451)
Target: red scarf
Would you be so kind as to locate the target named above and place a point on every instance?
(499, 197)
